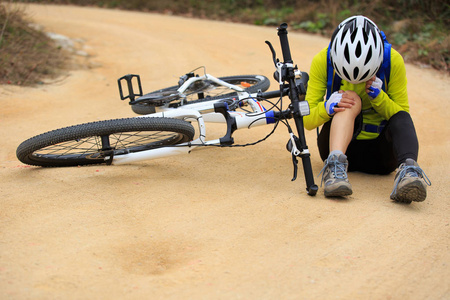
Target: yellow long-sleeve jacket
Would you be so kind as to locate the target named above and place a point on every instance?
(374, 111)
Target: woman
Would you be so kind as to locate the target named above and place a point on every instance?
(365, 118)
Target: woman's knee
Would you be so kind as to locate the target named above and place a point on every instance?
(401, 119)
(356, 108)
(402, 115)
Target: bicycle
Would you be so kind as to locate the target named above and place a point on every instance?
(165, 126)
(191, 89)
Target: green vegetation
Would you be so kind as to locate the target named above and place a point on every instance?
(419, 29)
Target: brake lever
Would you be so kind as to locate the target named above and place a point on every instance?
(274, 54)
(295, 162)
(291, 146)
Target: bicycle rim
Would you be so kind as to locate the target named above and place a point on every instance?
(94, 143)
(201, 91)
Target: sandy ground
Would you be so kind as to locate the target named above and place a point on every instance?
(218, 223)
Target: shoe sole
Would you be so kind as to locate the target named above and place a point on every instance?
(413, 191)
(340, 191)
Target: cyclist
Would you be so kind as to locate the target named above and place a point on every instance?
(366, 122)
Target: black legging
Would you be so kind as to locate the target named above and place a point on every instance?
(396, 143)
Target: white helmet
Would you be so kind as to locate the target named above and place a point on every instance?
(356, 49)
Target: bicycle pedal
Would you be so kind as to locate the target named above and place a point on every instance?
(129, 80)
(109, 156)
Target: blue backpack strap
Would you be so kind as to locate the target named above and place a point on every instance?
(385, 71)
(333, 80)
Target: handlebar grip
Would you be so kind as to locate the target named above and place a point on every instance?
(282, 33)
(272, 94)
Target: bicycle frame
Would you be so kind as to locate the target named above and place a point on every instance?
(180, 92)
(217, 111)
(191, 80)
(201, 113)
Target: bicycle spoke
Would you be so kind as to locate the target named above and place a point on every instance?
(139, 139)
(122, 142)
(99, 142)
(76, 148)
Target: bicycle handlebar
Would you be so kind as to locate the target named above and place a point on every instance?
(282, 33)
(288, 74)
(273, 94)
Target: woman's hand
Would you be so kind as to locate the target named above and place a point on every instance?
(373, 87)
(349, 99)
(340, 101)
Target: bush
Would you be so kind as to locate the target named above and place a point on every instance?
(419, 29)
(27, 55)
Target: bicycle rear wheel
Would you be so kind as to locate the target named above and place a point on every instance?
(201, 91)
(93, 143)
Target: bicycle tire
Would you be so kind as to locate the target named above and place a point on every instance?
(258, 82)
(83, 145)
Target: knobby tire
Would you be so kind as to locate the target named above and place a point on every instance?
(85, 144)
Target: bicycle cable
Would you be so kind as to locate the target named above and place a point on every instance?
(277, 105)
(282, 119)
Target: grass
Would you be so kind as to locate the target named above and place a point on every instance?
(27, 55)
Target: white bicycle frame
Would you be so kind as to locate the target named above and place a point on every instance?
(298, 108)
(202, 113)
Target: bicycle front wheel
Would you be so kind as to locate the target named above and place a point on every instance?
(93, 143)
(204, 90)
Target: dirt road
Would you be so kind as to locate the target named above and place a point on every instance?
(218, 223)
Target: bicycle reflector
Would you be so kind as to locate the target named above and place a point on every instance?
(303, 107)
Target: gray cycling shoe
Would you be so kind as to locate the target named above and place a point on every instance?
(410, 183)
(334, 175)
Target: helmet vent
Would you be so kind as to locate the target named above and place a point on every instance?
(353, 36)
(365, 76)
(335, 67)
(369, 56)
(345, 73)
(366, 37)
(347, 54)
(374, 38)
(358, 50)
(355, 72)
(342, 37)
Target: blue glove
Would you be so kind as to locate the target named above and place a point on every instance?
(333, 101)
(375, 88)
